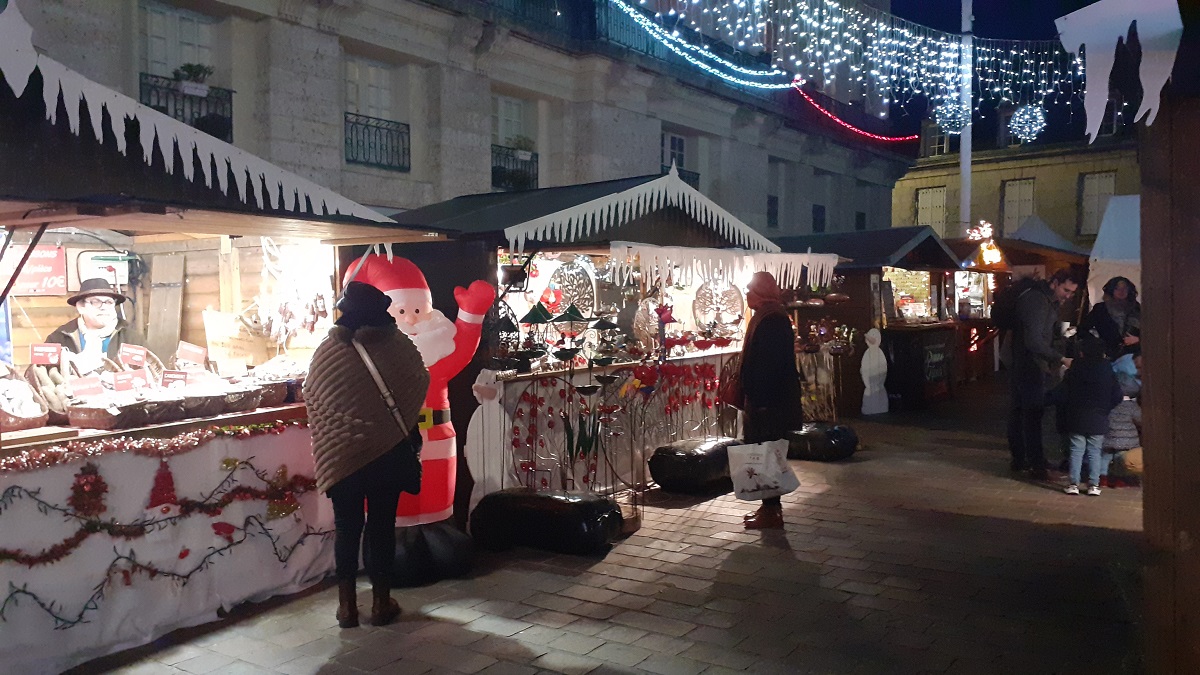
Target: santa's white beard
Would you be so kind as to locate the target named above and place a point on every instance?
(434, 337)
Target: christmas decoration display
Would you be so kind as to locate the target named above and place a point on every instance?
(119, 546)
(446, 347)
(1027, 123)
(952, 117)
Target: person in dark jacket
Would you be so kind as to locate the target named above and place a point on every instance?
(1089, 392)
(99, 330)
(770, 382)
(1035, 365)
(1117, 319)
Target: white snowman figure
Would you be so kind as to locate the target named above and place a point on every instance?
(488, 457)
(874, 374)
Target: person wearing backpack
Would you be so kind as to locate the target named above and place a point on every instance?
(1034, 366)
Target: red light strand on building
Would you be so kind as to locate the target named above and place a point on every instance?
(851, 127)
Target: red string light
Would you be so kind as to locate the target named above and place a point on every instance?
(851, 127)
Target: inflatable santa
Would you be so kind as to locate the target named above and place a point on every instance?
(446, 347)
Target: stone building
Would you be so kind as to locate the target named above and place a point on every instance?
(1066, 183)
(402, 103)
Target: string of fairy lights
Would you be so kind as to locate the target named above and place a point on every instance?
(863, 52)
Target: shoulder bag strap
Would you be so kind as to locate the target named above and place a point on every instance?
(388, 399)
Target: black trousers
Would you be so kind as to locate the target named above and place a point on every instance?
(1025, 435)
(377, 484)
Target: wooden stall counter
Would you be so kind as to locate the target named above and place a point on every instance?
(921, 363)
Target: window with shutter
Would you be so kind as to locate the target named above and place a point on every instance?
(1094, 191)
(1018, 203)
(674, 150)
(508, 120)
(172, 37)
(931, 208)
(369, 88)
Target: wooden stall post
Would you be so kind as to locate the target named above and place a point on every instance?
(230, 274)
(1171, 296)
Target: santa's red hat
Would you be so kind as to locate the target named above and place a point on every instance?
(398, 278)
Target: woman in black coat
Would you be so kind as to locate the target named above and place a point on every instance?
(1117, 319)
(770, 382)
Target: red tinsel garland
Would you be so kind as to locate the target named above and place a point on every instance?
(75, 451)
(282, 492)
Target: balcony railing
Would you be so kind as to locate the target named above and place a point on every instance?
(209, 109)
(690, 177)
(371, 141)
(514, 169)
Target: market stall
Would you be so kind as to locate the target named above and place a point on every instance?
(896, 281)
(988, 265)
(1118, 248)
(620, 303)
(155, 466)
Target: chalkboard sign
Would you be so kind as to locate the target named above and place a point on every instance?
(937, 369)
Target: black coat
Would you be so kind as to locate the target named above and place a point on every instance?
(1088, 393)
(770, 382)
(1111, 332)
(1035, 361)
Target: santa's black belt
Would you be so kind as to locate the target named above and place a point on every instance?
(431, 418)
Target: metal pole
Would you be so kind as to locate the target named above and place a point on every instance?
(964, 154)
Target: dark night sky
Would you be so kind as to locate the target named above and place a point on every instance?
(1011, 19)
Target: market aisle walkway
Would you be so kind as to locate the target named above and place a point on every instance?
(920, 555)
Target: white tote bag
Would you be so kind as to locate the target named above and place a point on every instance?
(760, 470)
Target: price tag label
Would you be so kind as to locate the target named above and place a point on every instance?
(191, 353)
(86, 386)
(141, 378)
(174, 378)
(124, 381)
(48, 354)
(132, 355)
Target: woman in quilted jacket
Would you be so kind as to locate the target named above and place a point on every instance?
(361, 450)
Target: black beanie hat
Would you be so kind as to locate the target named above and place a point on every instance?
(364, 305)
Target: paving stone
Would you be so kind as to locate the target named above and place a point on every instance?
(654, 623)
(497, 626)
(453, 658)
(205, 663)
(672, 665)
(566, 663)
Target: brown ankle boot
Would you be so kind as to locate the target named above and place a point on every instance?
(384, 608)
(347, 611)
(767, 517)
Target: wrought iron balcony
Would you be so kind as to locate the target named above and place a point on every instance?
(690, 177)
(209, 109)
(371, 141)
(514, 169)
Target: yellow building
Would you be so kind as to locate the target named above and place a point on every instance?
(1067, 185)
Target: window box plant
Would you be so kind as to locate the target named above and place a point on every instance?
(523, 145)
(190, 79)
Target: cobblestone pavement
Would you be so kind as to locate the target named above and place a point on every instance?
(921, 555)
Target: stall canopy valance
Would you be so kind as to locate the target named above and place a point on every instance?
(792, 270)
(587, 213)
(915, 248)
(104, 122)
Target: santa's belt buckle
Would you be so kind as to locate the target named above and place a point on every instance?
(425, 418)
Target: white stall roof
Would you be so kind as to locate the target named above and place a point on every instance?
(1118, 247)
